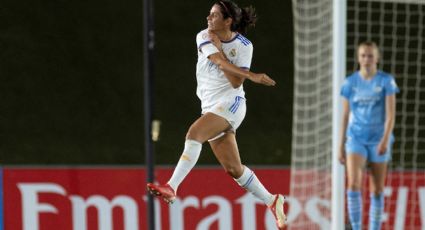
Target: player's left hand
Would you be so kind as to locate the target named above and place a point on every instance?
(382, 147)
(261, 78)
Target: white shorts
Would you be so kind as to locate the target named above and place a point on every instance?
(233, 109)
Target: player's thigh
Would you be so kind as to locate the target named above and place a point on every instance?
(378, 174)
(356, 160)
(355, 165)
(226, 151)
(232, 109)
(207, 126)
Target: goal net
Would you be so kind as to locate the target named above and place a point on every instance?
(397, 26)
(312, 114)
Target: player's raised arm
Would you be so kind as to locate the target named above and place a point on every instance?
(234, 80)
(230, 70)
(227, 67)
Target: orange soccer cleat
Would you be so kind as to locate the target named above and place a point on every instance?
(165, 191)
(278, 211)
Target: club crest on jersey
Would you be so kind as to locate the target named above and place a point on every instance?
(205, 36)
(232, 53)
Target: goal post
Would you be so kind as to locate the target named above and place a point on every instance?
(338, 72)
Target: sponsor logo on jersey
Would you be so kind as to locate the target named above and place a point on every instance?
(378, 89)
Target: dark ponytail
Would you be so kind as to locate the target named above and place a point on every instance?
(243, 18)
(248, 19)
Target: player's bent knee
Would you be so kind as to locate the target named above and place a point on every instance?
(234, 171)
(195, 135)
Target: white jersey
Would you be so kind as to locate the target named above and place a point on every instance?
(212, 84)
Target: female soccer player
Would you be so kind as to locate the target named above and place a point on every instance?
(224, 59)
(366, 132)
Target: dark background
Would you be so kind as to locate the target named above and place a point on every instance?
(71, 89)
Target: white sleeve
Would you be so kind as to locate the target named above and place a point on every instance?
(245, 57)
(204, 44)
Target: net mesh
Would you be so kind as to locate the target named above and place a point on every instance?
(312, 127)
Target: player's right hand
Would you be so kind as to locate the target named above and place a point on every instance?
(215, 40)
(342, 156)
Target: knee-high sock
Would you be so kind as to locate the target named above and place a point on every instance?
(250, 182)
(354, 203)
(188, 159)
(375, 211)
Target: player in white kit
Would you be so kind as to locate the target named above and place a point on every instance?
(224, 60)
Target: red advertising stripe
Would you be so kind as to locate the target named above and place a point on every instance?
(48, 199)
(85, 199)
(114, 199)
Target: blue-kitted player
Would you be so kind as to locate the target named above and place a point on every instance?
(366, 132)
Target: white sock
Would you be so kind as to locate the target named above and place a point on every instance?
(250, 182)
(188, 159)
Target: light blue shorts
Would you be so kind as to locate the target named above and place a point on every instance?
(370, 152)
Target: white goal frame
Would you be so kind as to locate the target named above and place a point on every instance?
(339, 18)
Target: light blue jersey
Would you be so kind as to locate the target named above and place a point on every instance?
(367, 105)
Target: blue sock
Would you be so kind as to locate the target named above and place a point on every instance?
(375, 211)
(354, 203)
